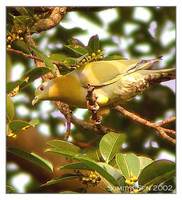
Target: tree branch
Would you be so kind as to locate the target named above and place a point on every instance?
(45, 24)
(160, 131)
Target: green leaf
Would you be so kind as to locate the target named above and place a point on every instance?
(157, 172)
(144, 161)
(76, 42)
(64, 60)
(110, 145)
(58, 180)
(112, 171)
(34, 74)
(10, 86)
(34, 122)
(63, 147)
(18, 125)
(47, 60)
(94, 44)
(77, 49)
(10, 110)
(129, 164)
(77, 165)
(92, 153)
(96, 166)
(27, 78)
(33, 158)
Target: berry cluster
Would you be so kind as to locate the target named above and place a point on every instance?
(131, 180)
(91, 179)
(90, 58)
(11, 37)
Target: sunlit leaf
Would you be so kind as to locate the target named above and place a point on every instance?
(129, 164)
(33, 158)
(144, 161)
(77, 49)
(112, 171)
(63, 148)
(110, 145)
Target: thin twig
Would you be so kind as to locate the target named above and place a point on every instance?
(30, 56)
(159, 130)
(166, 121)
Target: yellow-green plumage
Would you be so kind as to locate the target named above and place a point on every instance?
(114, 81)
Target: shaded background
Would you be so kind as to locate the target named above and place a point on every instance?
(133, 32)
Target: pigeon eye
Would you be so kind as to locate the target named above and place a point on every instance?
(41, 88)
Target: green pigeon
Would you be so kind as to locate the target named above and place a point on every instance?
(114, 82)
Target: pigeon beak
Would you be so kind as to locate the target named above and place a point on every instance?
(35, 100)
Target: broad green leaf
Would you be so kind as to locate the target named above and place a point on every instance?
(94, 44)
(32, 157)
(10, 86)
(33, 74)
(77, 49)
(63, 147)
(58, 57)
(27, 78)
(10, 110)
(58, 180)
(112, 171)
(157, 172)
(64, 60)
(144, 161)
(92, 153)
(47, 60)
(129, 164)
(96, 166)
(76, 42)
(77, 165)
(34, 122)
(18, 125)
(110, 145)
